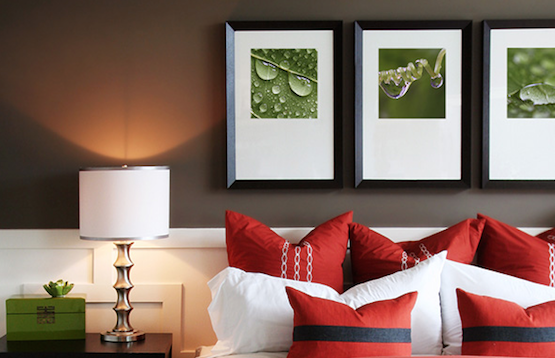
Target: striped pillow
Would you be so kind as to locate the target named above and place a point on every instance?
(325, 328)
(496, 327)
(318, 257)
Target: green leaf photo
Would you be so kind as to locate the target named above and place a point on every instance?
(284, 83)
(531, 83)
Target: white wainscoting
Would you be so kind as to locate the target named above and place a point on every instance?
(170, 276)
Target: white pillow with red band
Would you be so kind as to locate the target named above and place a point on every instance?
(481, 281)
(318, 257)
(374, 255)
(506, 249)
(250, 312)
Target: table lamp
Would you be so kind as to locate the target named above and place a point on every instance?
(124, 204)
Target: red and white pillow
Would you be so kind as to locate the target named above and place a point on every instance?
(506, 249)
(496, 327)
(250, 312)
(485, 282)
(318, 257)
(381, 328)
(374, 255)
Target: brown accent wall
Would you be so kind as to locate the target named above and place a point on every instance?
(110, 82)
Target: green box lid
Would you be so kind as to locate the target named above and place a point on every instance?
(29, 304)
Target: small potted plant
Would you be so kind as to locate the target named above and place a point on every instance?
(59, 288)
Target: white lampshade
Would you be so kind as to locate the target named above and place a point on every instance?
(124, 203)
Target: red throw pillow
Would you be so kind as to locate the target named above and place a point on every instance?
(324, 328)
(318, 257)
(506, 249)
(496, 327)
(374, 255)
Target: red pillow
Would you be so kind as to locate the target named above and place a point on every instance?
(254, 247)
(374, 255)
(497, 327)
(324, 328)
(506, 249)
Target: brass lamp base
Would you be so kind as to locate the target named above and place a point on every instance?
(121, 337)
(123, 331)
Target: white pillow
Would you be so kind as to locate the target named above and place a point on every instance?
(250, 312)
(484, 282)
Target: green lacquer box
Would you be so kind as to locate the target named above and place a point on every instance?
(42, 318)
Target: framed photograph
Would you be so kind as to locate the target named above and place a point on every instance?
(284, 109)
(412, 103)
(519, 104)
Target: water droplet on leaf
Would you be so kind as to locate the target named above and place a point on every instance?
(257, 97)
(302, 86)
(266, 70)
(538, 93)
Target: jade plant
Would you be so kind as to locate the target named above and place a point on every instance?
(59, 288)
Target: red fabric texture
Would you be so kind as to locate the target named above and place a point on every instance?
(374, 255)
(492, 313)
(318, 257)
(506, 249)
(316, 312)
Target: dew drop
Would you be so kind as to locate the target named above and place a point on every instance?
(437, 81)
(257, 97)
(263, 107)
(276, 89)
(277, 107)
(282, 99)
(302, 86)
(256, 84)
(266, 70)
(285, 64)
(395, 91)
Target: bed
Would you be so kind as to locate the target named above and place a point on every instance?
(478, 287)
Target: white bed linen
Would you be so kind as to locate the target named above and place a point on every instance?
(204, 352)
(250, 312)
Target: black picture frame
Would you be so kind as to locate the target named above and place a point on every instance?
(273, 153)
(375, 167)
(517, 150)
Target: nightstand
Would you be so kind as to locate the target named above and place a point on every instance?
(155, 345)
